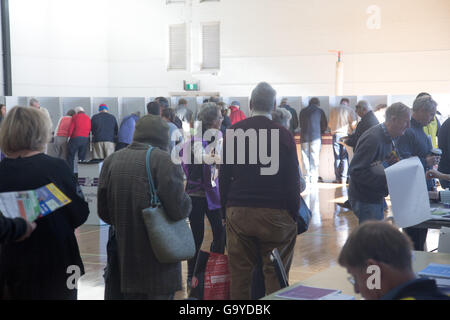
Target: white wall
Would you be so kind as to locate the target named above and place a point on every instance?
(59, 47)
(119, 48)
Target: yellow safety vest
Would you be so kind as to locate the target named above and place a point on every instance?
(431, 131)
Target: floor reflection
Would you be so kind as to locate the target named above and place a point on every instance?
(315, 251)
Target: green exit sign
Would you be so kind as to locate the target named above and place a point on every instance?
(191, 86)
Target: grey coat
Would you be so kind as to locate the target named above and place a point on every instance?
(122, 195)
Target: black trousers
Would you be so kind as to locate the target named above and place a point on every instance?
(418, 237)
(197, 220)
(76, 145)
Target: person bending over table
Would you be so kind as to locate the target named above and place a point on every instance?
(383, 247)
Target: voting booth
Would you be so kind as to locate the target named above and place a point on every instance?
(88, 174)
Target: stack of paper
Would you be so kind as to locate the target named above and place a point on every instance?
(440, 273)
(312, 293)
(408, 192)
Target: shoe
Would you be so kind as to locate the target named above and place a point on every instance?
(320, 180)
(337, 181)
(346, 205)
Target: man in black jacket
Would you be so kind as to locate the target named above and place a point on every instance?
(444, 145)
(313, 123)
(376, 150)
(368, 120)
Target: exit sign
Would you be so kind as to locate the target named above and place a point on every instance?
(191, 86)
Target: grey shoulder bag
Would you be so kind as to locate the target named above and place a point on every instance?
(171, 241)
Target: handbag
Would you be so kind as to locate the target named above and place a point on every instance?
(304, 217)
(171, 241)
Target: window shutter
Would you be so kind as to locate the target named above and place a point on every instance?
(177, 47)
(211, 46)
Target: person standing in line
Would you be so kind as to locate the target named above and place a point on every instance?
(104, 133)
(236, 114)
(185, 115)
(341, 124)
(154, 108)
(79, 131)
(293, 123)
(37, 268)
(59, 147)
(313, 123)
(226, 123)
(123, 193)
(415, 143)
(260, 208)
(201, 169)
(368, 120)
(126, 131)
(36, 104)
(169, 116)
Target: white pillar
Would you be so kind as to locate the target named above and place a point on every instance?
(339, 78)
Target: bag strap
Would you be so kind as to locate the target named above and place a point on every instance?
(153, 192)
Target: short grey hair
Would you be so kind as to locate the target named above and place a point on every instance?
(263, 97)
(425, 102)
(282, 117)
(397, 110)
(364, 105)
(209, 113)
(33, 101)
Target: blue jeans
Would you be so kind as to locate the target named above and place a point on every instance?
(367, 211)
(340, 157)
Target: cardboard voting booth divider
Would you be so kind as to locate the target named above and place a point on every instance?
(88, 174)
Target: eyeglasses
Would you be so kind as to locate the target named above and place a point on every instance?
(351, 279)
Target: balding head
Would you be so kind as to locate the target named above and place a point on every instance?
(263, 98)
(362, 108)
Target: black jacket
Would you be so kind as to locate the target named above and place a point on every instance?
(367, 122)
(313, 122)
(37, 267)
(417, 289)
(367, 179)
(444, 145)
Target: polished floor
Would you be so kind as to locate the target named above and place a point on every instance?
(315, 250)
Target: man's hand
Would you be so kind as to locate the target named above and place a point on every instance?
(30, 229)
(433, 160)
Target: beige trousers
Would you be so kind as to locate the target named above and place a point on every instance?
(254, 233)
(102, 150)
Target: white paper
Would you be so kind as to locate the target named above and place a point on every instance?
(408, 192)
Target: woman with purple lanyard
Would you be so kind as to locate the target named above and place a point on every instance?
(202, 182)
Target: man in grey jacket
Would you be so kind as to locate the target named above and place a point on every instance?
(123, 193)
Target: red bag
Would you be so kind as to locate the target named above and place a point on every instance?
(211, 279)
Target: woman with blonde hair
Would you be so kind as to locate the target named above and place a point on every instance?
(37, 268)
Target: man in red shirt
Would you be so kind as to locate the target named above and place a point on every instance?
(236, 113)
(79, 136)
